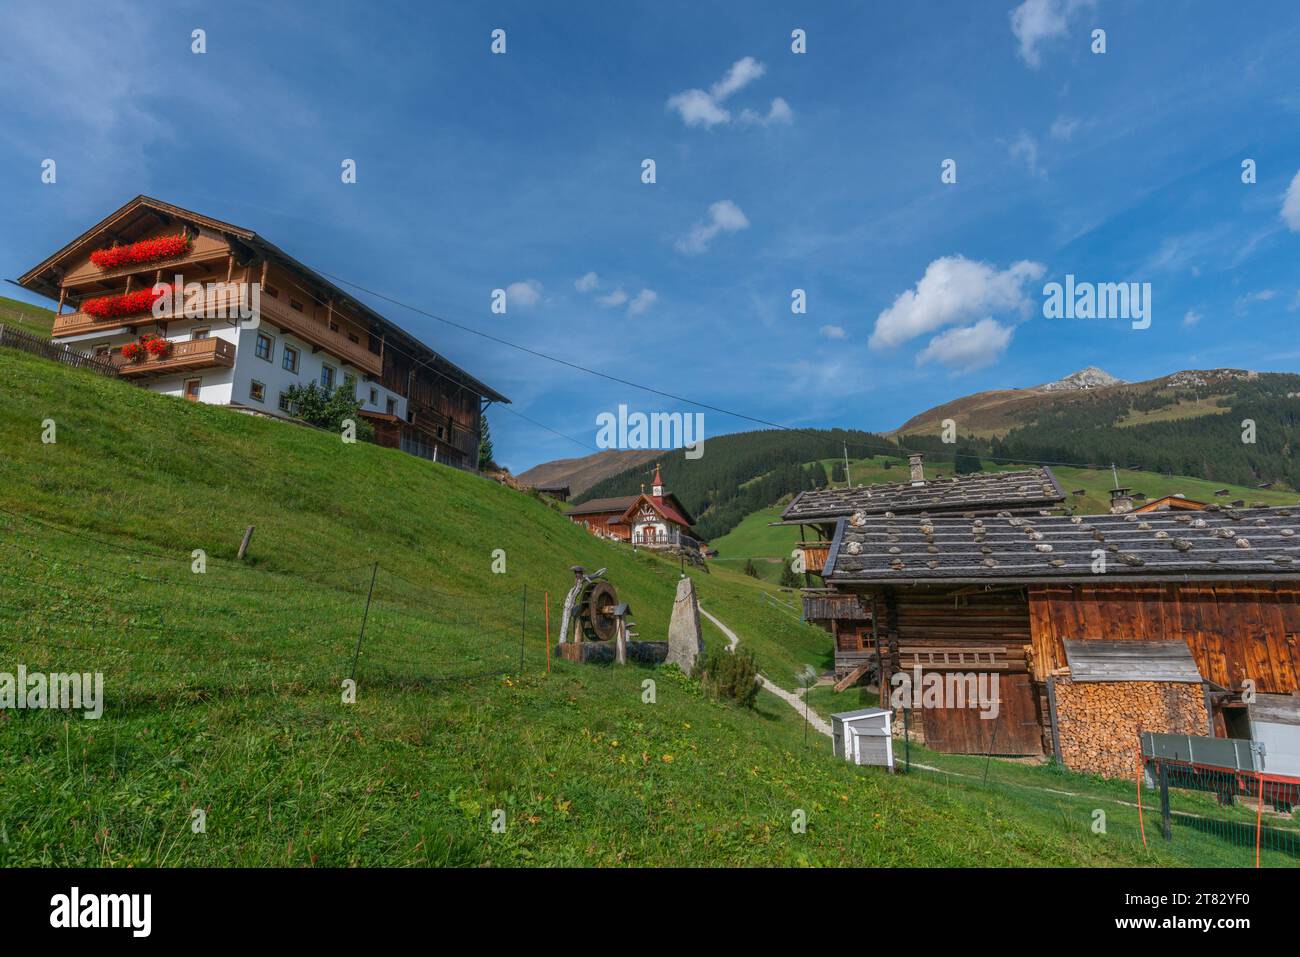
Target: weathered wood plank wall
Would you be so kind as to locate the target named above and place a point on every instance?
(1235, 630)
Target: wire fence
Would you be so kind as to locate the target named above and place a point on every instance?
(161, 631)
(1247, 809)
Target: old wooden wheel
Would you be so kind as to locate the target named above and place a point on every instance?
(594, 611)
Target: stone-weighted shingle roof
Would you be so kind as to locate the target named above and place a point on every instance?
(1216, 542)
(976, 492)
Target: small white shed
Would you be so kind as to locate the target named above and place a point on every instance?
(865, 736)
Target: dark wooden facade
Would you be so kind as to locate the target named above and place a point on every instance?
(960, 629)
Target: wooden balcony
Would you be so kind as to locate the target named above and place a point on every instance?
(815, 555)
(183, 357)
(216, 306)
(77, 323)
(315, 332)
(318, 333)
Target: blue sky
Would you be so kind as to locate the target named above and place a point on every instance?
(775, 171)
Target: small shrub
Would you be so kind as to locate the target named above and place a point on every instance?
(750, 568)
(730, 674)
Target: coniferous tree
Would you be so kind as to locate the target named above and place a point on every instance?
(484, 445)
(789, 578)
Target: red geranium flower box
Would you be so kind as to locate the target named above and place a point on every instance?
(130, 304)
(156, 346)
(147, 250)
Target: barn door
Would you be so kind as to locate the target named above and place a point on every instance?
(1016, 730)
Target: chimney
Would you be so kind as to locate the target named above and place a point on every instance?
(1121, 501)
(914, 461)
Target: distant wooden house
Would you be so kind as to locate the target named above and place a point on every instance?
(657, 520)
(1007, 594)
(558, 492)
(1021, 492)
(1175, 503)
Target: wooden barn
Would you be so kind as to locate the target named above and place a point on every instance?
(1012, 595)
(817, 513)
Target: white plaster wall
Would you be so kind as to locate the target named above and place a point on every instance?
(222, 386)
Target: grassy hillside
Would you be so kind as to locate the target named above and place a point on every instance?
(223, 688)
(28, 318)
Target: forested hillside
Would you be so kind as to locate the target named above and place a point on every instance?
(1185, 424)
(1201, 431)
(740, 473)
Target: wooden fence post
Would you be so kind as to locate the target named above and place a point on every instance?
(243, 546)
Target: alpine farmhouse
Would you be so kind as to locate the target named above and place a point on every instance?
(657, 520)
(301, 328)
(1177, 619)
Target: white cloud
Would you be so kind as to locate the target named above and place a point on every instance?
(587, 283)
(724, 216)
(704, 108)
(743, 72)
(969, 347)
(615, 298)
(1250, 298)
(1191, 318)
(954, 290)
(779, 112)
(1064, 127)
(1036, 21)
(1025, 148)
(1291, 205)
(697, 108)
(833, 332)
(643, 301)
(525, 294)
(1295, 303)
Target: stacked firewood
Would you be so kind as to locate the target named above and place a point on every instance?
(1098, 722)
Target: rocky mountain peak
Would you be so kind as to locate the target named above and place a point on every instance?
(1088, 378)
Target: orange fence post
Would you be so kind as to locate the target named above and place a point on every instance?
(548, 632)
(1259, 812)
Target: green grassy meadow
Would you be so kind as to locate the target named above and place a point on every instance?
(224, 688)
(26, 317)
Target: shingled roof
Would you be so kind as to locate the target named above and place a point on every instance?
(1213, 543)
(976, 492)
(601, 505)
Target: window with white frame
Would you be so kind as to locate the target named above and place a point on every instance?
(265, 347)
(290, 360)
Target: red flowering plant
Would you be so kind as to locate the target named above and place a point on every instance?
(150, 345)
(155, 345)
(130, 304)
(145, 251)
